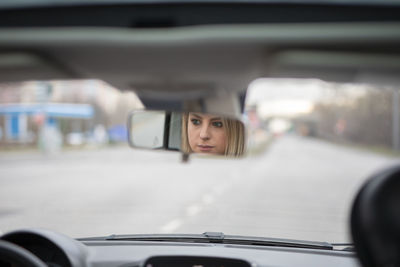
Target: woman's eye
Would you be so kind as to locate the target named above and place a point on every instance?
(217, 124)
(195, 121)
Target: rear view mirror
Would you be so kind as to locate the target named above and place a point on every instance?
(191, 132)
(146, 129)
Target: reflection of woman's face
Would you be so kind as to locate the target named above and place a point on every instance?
(206, 133)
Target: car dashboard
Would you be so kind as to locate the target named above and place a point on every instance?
(55, 249)
(156, 254)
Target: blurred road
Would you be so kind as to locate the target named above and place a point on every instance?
(300, 188)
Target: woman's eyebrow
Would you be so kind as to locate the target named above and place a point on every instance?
(215, 119)
(201, 117)
(196, 115)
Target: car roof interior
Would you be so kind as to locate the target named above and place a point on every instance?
(199, 52)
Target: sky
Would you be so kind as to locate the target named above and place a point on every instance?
(285, 97)
(291, 97)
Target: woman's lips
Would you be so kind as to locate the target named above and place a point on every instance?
(205, 148)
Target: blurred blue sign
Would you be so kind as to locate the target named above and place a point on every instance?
(82, 111)
(12, 126)
(118, 133)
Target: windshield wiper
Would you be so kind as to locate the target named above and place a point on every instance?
(343, 246)
(217, 237)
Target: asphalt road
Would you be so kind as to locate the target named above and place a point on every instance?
(299, 188)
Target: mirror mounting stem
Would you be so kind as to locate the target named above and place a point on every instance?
(185, 157)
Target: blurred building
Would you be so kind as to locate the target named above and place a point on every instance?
(78, 112)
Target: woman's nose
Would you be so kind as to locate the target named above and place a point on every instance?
(204, 132)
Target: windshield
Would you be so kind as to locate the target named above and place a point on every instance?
(66, 165)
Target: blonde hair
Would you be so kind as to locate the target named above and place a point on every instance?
(234, 130)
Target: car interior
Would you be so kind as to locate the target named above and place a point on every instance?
(182, 56)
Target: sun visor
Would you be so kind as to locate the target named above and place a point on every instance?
(335, 66)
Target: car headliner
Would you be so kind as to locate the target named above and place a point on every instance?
(198, 62)
(25, 3)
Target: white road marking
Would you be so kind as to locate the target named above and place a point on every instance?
(171, 226)
(193, 210)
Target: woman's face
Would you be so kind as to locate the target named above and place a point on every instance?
(206, 133)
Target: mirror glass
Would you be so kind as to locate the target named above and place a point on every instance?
(191, 132)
